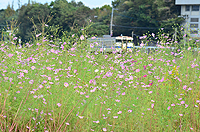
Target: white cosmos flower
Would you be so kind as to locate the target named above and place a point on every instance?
(81, 117)
(96, 70)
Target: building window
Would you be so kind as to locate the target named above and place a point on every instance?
(187, 8)
(194, 20)
(193, 32)
(195, 8)
(194, 25)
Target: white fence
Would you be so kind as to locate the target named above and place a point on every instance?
(109, 45)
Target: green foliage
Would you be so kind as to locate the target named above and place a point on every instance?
(146, 13)
(75, 90)
(63, 13)
(98, 29)
(9, 11)
(81, 15)
(71, 16)
(29, 13)
(6, 15)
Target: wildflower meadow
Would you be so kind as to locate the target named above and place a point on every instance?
(60, 86)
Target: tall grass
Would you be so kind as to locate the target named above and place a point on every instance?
(61, 88)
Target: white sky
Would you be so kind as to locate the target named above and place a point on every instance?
(89, 3)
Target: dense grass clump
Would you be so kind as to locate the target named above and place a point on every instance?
(55, 87)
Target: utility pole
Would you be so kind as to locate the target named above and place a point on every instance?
(185, 33)
(111, 23)
(13, 4)
(19, 4)
(175, 34)
(132, 33)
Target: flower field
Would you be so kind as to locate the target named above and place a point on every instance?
(43, 88)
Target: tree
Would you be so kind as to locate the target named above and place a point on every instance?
(29, 15)
(63, 15)
(98, 29)
(101, 19)
(2, 12)
(145, 13)
(81, 15)
(9, 11)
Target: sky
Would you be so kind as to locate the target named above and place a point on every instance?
(89, 3)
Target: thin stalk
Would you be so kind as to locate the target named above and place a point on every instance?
(67, 116)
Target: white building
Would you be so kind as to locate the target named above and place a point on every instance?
(190, 10)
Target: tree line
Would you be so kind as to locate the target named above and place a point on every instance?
(66, 18)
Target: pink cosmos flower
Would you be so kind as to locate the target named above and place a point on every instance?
(145, 67)
(96, 121)
(104, 129)
(150, 92)
(32, 67)
(172, 104)
(104, 85)
(182, 102)
(133, 61)
(168, 108)
(81, 117)
(152, 105)
(115, 116)
(117, 100)
(10, 55)
(151, 84)
(58, 104)
(121, 76)
(82, 37)
(186, 105)
(72, 49)
(129, 111)
(161, 80)
(31, 81)
(119, 112)
(40, 86)
(189, 88)
(93, 37)
(66, 84)
(67, 123)
(137, 70)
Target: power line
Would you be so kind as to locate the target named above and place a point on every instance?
(140, 19)
(4, 25)
(139, 27)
